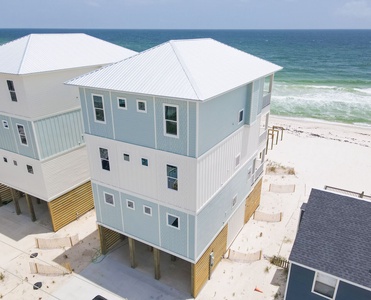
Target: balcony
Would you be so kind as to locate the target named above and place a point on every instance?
(266, 100)
(257, 174)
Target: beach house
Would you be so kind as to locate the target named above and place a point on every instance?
(176, 140)
(42, 148)
(330, 258)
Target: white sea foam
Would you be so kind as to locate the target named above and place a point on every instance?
(366, 91)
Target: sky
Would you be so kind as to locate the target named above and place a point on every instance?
(186, 14)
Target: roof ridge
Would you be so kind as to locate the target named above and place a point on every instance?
(186, 71)
(24, 53)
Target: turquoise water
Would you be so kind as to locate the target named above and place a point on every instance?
(326, 75)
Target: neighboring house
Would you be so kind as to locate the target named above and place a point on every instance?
(330, 258)
(176, 140)
(42, 148)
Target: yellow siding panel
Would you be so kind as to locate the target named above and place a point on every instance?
(253, 201)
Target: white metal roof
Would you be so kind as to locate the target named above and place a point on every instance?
(36, 53)
(195, 69)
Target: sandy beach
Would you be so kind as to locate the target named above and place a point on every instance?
(311, 155)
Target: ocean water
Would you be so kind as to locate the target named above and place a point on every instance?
(326, 75)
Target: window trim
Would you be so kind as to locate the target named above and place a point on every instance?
(145, 106)
(167, 221)
(15, 162)
(7, 124)
(5, 159)
(319, 294)
(12, 91)
(94, 109)
(127, 204)
(243, 116)
(124, 155)
(144, 210)
(165, 120)
(105, 199)
(177, 179)
(101, 159)
(19, 135)
(29, 167)
(141, 161)
(118, 103)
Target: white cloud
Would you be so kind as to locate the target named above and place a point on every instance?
(356, 9)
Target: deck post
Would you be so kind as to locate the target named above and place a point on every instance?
(156, 257)
(102, 238)
(133, 262)
(30, 207)
(16, 203)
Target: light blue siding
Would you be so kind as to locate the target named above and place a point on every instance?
(59, 133)
(28, 150)
(7, 141)
(256, 99)
(98, 128)
(84, 111)
(218, 118)
(97, 202)
(111, 214)
(138, 224)
(132, 126)
(217, 212)
(170, 144)
(191, 236)
(173, 239)
(192, 129)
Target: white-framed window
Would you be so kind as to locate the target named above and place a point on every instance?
(104, 159)
(141, 106)
(109, 198)
(234, 200)
(11, 89)
(171, 124)
(29, 169)
(5, 159)
(5, 124)
(121, 103)
(130, 204)
(237, 160)
(268, 84)
(240, 116)
(98, 105)
(324, 285)
(15, 163)
(172, 177)
(22, 134)
(172, 221)
(147, 210)
(144, 162)
(126, 157)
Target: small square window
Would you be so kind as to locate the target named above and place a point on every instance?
(147, 210)
(5, 159)
(15, 163)
(234, 201)
(126, 157)
(121, 102)
(240, 116)
(173, 221)
(145, 162)
(325, 285)
(130, 204)
(141, 106)
(238, 159)
(109, 199)
(29, 169)
(5, 124)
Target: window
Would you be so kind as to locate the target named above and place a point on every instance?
(240, 116)
(5, 124)
(130, 204)
(15, 163)
(171, 120)
(141, 106)
(147, 210)
(126, 157)
(145, 162)
(22, 134)
(98, 108)
(121, 102)
(268, 84)
(172, 177)
(172, 221)
(29, 169)
(325, 285)
(234, 200)
(11, 88)
(5, 159)
(104, 159)
(109, 199)
(238, 159)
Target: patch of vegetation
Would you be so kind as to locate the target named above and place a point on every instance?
(276, 168)
(266, 270)
(2, 276)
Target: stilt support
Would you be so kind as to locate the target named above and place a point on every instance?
(156, 257)
(30, 207)
(102, 238)
(133, 262)
(15, 200)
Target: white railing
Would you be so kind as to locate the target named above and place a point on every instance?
(263, 137)
(257, 174)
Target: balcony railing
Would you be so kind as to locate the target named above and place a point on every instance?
(257, 174)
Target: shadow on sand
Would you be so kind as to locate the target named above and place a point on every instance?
(279, 279)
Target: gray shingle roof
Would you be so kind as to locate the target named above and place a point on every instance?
(335, 237)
